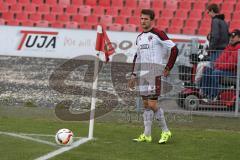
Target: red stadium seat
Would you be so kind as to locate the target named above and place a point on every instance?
(232, 1)
(64, 2)
(2, 21)
(49, 17)
(63, 17)
(35, 16)
(199, 5)
(228, 7)
(120, 20)
(129, 27)
(177, 22)
(163, 23)
(131, 4)
(3, 8)
(24, 1)
(42, 23)
(236, 15)
(237, 7)
(38, 2)
(144, 4)
(44, 9)
(174, 30)
(195, 14)
(106, 19)
(77, 2)
(126, 12)
(51, 2)
(10, 2)
(57, 9)
(86, 26)
(189, 30)
(206, 23)
(98, 10)
(85, 10)
(215, 1)
(22, 16)
(117, 3)
(13, 23)
(104, 3)
(7, 15)
(182, 14)
(27, 23)
(167, 13)
(73, 25)
(57, 25)
(92, 19)
(137, 12)
(171, 5)
(235, 23)
(115, 27)
(185, 5)
(91, 2)
(78, 18)
(192, 23)
(72, 10)
(30, 8)
(16, 8)
(158, 4)
(112, 11)
(134, 20)
(203, 31)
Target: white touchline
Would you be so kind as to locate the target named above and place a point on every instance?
(28, 138)
(42, 135)
(63, 149)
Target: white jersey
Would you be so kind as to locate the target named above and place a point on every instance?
(153, 56)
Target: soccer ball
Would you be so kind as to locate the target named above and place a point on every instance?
(64, 137)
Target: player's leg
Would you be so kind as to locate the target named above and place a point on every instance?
(147, 118)
(166, 134)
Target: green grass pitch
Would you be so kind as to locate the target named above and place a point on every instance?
(201, 138)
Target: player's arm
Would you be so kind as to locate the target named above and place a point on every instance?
(173, 54)
(171, 60)
(132, 81)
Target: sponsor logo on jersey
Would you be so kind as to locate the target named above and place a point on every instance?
(144, 46)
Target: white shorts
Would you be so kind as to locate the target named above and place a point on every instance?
(150, 86)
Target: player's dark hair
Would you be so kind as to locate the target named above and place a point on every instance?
(148, 12)
(213, 7)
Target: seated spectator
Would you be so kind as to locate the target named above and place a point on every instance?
(225, 65)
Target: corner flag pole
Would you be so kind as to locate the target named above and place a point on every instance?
(93, 101)
(104, 45)
(94, 86)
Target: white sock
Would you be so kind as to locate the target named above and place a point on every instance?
(148, 118)
(161, 119)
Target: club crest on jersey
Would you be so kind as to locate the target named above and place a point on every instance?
(150, 38)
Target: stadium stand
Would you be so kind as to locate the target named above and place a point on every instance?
(178, 16)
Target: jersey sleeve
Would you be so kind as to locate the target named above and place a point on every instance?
(165, 41)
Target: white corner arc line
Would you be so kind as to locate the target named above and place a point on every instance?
(63, 149)
(28, 138)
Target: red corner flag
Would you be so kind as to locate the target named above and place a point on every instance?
(103, 43)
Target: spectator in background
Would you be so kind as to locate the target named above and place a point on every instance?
(225, 65)
(219, 34)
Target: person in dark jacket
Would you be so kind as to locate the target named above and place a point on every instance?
(224, 66)
(219, 34)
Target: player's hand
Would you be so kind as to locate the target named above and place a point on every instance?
(131, 83)
(166, 72)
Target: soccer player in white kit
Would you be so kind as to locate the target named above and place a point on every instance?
(152, 61)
